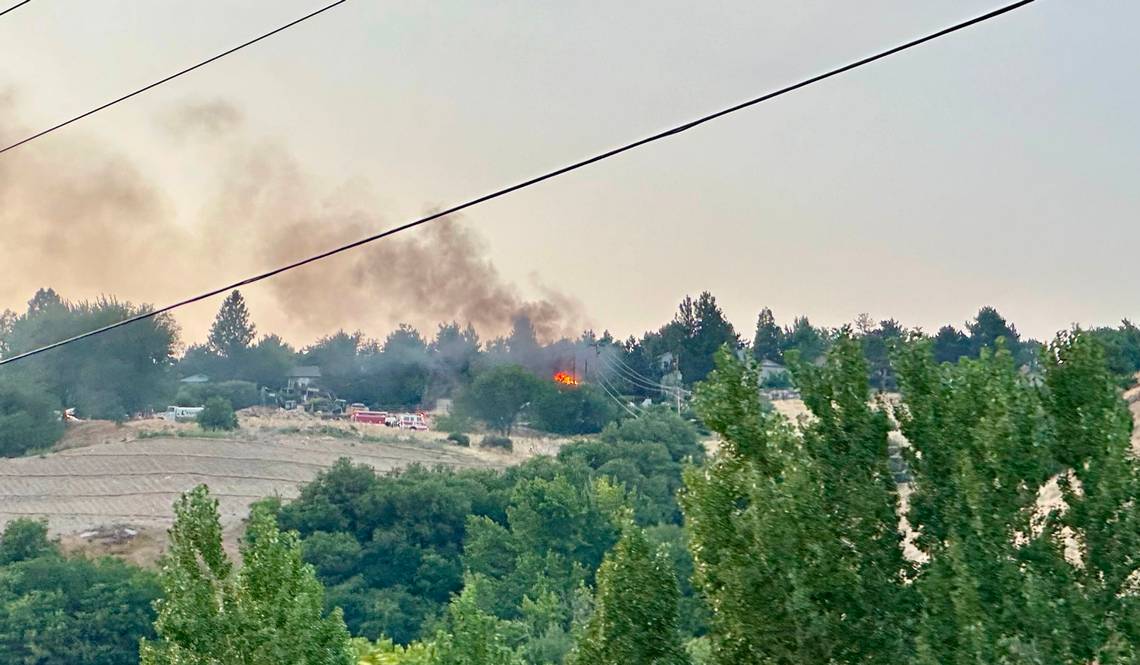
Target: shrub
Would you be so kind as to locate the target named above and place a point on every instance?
(28, 420)
(579, 409)
(456, 421)
(240, 394)
(218, 415)
(494, 441)
(459, 439)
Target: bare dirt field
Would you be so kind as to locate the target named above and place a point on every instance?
(107, 488)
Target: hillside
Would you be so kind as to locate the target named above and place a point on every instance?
(107, 488)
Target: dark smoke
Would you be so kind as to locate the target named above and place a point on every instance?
(79, 217)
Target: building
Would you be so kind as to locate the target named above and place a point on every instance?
(303, 377)
(196, 379)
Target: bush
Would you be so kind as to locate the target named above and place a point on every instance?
(579, 409)
(456, 421)
(218, 415)
(494, 441)
(28, 420)
(240, 394)
(459, 439)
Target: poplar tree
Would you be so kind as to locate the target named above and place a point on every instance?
(268, 612)
(635, 609)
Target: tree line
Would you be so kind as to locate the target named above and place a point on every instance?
(783, 546)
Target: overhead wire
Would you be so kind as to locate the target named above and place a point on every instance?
(633, 376)
(168, 78)
(14, 7)
(497, 193)
(603, 385)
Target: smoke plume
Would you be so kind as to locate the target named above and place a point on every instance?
(79, 217)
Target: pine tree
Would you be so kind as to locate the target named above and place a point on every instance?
(769, 336)
(269, 612)
(232, 332)
(635, 609)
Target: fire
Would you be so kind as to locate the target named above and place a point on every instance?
(566, 378)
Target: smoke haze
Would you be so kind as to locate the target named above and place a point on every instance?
(85, 220)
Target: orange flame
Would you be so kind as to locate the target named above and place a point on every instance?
(566, 378)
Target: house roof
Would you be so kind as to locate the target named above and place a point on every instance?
(196, 378)
(305, 372)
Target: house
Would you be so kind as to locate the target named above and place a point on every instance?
(196, 379)
(769, 369)
(303, 377)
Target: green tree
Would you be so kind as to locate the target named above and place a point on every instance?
(473, 636)
(232, 333)
(810, 342)
(122, 372)
(498, 395)
(769, 337)
(24, 539)
(268, 612)
(581, 409)
(793, 532)
(635, 609)
(987, 328)
(28, 419)
(950, 344)
(58, 609)
(218, 415)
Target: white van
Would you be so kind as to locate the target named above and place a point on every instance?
(181, 414)
(413, 421)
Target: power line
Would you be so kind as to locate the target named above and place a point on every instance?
(168, 78)
(512, 188)
(627, 372)
(603, 385)
(14, 7)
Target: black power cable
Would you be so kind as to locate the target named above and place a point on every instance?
(14, 7)
(521, 185)
(168, 78)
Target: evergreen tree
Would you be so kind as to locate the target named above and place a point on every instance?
(768, 339)
(635, 609)
(267, 613)
(810, 342)
(950, 344)
(987, 328)
(232, 332)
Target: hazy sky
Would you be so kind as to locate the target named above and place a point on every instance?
(997, 166)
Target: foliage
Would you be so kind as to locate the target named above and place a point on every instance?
(635, 609)
(28, 419)
(389, 546)
(500, 442)
(240, 394)
(218, 415)
(269, 611)
(1004, 583)
(769, 338)
(232, 332)
(581, 409)
(57, 609)
(122, 372)
(24, 539)
(459, 439)
(794, 533)
(386, 652)
(807, 340)
(472, 635)
(498, 395)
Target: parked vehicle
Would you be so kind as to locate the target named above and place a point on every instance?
(374, 417)
(181, 414)
(413, 421)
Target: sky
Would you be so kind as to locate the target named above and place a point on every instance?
(997, 166)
